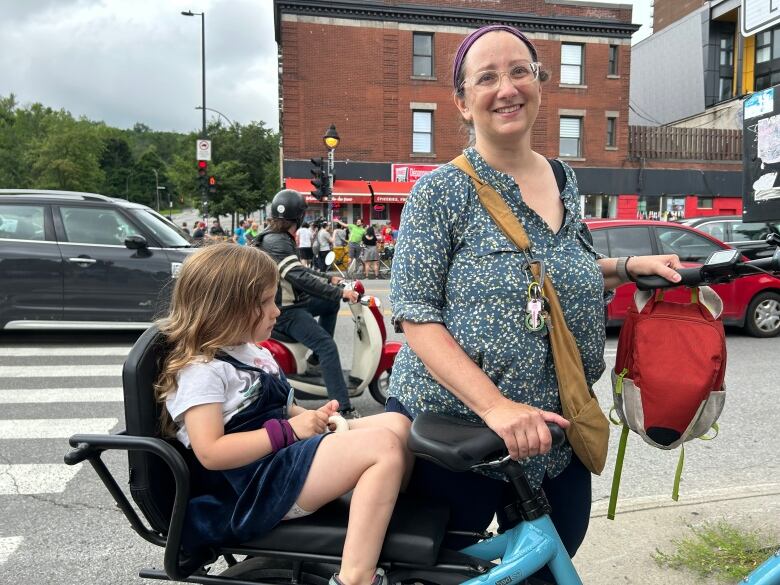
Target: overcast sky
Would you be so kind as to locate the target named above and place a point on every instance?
(128, 61)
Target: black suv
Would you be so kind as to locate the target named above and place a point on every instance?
(84, 261)
(748, 237)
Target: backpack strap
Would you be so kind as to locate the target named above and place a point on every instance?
(559, 172)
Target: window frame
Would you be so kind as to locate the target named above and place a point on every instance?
(611, 137)
(430, 132)
(42, 207)
(580, 120)
(767, 72)
(580, 65)
(613, 60)
(415, 56)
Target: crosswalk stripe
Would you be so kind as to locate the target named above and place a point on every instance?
(54, 428)
(63, 351)
(75, 371)
(8, 545)
(50, 395)
(35, 478)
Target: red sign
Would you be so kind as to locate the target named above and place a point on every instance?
(379, 208)
(408, 173)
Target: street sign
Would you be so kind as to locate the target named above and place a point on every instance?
(758, 15)
(203, 149)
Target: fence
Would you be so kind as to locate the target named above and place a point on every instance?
(671, 143)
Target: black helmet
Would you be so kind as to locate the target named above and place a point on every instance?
(288, 204)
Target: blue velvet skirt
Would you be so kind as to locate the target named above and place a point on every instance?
(236, 505)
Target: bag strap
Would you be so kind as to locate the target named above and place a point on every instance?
(573, 389)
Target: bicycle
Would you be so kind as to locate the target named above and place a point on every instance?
(307, 550)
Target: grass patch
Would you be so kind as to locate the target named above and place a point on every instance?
(720, 550)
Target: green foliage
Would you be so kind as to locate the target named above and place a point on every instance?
(48, 149)
(719, 550)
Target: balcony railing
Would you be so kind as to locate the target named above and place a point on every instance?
(671, 143)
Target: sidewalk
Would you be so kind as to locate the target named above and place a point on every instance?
(619, 551)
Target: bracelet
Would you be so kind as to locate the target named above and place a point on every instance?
(275, 433)
(622, 271)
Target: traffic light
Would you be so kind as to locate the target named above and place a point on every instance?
(320, 179)
(212, 185)
(202, 169)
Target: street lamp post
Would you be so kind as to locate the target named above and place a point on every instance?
(229, 121)
(157, 188)
(204, 193)
(331, 140)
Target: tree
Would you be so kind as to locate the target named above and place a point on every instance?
(117, 164)
(144, 182)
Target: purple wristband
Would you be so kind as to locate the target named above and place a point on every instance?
(275, 433)
(289, 434)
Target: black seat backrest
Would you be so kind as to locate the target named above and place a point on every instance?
(151, 482)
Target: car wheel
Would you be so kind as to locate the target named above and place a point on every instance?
(763, 315)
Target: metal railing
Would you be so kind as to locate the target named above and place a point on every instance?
(673, 143)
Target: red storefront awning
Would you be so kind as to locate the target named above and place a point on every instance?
(356, 192)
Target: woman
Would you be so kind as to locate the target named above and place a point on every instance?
(370, 255)
(458, 290)
(325, 240)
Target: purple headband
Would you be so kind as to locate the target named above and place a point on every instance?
(465, 45)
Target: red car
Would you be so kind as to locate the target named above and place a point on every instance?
(752, 302)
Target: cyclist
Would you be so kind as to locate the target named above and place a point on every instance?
(304, 294)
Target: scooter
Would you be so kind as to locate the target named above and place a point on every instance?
(372, 354)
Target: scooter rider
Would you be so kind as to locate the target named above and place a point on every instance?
(304, 294)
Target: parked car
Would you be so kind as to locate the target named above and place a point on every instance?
(84, 261)
(752, 302)
(749, 237)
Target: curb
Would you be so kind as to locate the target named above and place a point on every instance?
(599, 508)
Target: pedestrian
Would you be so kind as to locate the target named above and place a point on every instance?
(199, 234)
(216, 230)
(356, 232)
(304, 244)
(370, 254)
(259, 458)
(184, 228)
(325, 240)
(251, 233)
(239, 236)
(458, 292)
(339, 244)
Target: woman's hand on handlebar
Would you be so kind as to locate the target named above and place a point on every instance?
(663, 265)
(522, 427)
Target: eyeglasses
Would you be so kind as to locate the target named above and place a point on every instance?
(490, 79)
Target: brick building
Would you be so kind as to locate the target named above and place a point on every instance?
(381, 72)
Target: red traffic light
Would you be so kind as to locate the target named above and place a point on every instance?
(212, 181)
(202, 164)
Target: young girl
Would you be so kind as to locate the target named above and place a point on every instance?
(260, 458)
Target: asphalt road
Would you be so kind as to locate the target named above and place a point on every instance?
(59, 525)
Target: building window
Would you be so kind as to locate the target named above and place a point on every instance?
(571, 137)
(613, 60)
(571, 64)
(726, 72)
(767, 58)
(724, 89)
(422, 55)
(704, 203)
(611, 132)
(422, 132)
(727, 52)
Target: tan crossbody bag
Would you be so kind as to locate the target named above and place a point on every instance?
(588, 433)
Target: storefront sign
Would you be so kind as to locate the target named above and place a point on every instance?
(390, 199)
(406, 173)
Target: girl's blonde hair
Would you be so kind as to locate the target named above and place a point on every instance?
(215, 303)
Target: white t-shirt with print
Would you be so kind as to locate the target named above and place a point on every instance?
(202, 382)
(304, 238)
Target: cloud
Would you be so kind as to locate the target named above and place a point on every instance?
(128, 62)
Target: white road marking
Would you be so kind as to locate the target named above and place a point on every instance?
(75, 371)
(35, 478)
(63, 351)
(8, 545)
(54, 428)
(50, 395)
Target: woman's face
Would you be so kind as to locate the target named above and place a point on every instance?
(509, 110)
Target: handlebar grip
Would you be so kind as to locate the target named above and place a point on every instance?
(557, 433)
(690, 277)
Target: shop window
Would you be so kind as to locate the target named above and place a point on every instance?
(704, 203)
(422, 55)
(571, 64)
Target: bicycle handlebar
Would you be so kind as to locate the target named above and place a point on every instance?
(701, 275)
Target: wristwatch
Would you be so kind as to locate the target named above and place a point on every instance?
(620, 268)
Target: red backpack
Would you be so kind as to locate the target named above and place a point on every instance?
(668, 378)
